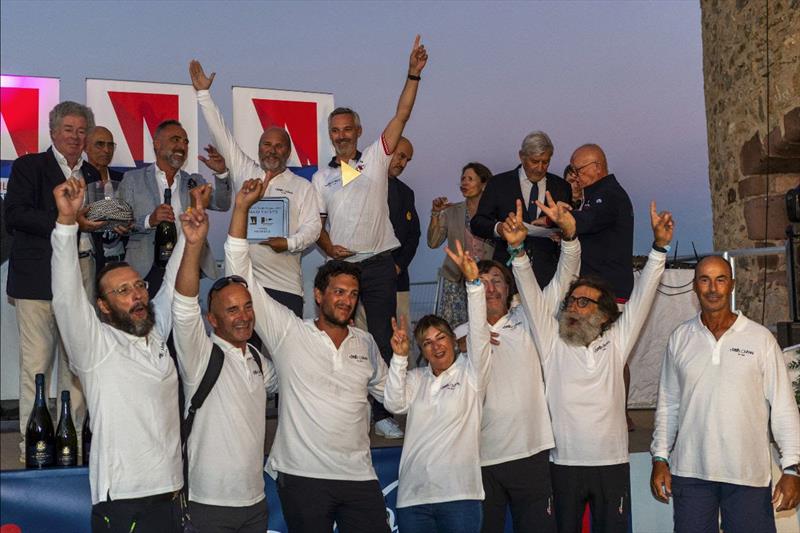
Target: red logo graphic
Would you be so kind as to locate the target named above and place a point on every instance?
(20, 109)
(298, 118)
(10, 528)
(135, 110)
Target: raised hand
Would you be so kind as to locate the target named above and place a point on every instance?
(69, 199)
(464, 262)
(513, 228)
(200, 81)
(250, 192)
(662, 225)
(560, 213)
(419, 57)
(201, 195)
(440, 204)
(195, 226)
(399, 341)
(214, 161)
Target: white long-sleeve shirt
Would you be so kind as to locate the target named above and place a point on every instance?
(130, 383)
(323, 415)
(226, 446)
(516, 422)
(440, 461)
(273, 270)
(716, 399)
(584, 386)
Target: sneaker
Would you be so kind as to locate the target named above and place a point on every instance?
(388, 429)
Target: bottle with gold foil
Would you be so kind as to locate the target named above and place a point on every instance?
(66, 436)
(39, 438)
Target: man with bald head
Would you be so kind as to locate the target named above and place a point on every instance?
(276, 261)
(723, 387)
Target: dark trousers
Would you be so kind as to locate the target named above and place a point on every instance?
(221, 519)
(697, 505)
(607, 490)
(156, 514)
(294, 302)
(524, 485)
(312, 505)
(378, 295)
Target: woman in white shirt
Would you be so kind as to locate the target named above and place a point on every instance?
(440, 487)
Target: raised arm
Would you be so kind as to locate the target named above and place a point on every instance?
(569, 264)
(400, 386)
(437, 228)
(394, 130)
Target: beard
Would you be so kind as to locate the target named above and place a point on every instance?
(330, 317)
(124, 322)
(175, 158)
(272, 164)
(343, 147)
(578, 330)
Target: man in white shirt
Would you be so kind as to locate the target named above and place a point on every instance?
(583, 352)
(225, 448)
(276, 261)
(357, 213)
(321, 455)
(723, 386)
(130, 380)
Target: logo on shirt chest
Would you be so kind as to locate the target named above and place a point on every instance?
(358, 357)
(333, 182)
(284, 191)
(450, 386)
(602, 346)
(741, 352)
(360, 166)
(163, 350)
(512, 325)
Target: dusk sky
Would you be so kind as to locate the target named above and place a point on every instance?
(625, 75)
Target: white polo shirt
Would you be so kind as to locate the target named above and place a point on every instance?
(440, 461)
(358, 213)
(716, 399)
(516, 421)
(130, 383)
(323, 415)
(273, 270)
(584, 386)
(226, 446)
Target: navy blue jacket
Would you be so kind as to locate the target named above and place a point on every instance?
(405, 222)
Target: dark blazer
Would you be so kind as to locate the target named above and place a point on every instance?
(30, 216)
(405, 222)
(498, 200)
(91, 175)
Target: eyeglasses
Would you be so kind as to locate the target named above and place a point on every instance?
(577, 170)
(221, 283)
(102, 145)
(126, 289)
(580, 301)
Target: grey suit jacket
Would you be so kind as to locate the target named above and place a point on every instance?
(453, 228)
(140, 189)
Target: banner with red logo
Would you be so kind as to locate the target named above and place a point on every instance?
(132, 110)
(303, 114)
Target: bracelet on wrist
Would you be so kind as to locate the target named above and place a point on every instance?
(567, 239)
(663, 249)
(659, 459)
(514, 251)
(475, 282)
(414, 78)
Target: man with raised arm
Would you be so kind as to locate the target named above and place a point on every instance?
(321, 456)
(225, 449)
(357, 212)
(276, 261)
(723, 386)
(129, 378)
(583, 352)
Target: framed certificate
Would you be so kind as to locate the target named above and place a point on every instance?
(269, 217)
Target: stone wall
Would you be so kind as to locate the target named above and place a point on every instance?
(753, 137)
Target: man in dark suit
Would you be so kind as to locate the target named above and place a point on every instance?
(528, 182)
(30, 216)
(109, 245)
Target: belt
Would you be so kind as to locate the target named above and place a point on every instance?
(149, 500)
(87, 253)
(114, 258)
(375, 258)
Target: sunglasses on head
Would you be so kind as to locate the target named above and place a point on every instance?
(221, 283)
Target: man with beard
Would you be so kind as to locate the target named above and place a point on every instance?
(723, 386)
(143, 189)
(359, 228)
(226, 492)
(130, 380)
(276, 261)
(583, 352)
(321, 456)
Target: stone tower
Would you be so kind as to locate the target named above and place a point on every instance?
(751, 66)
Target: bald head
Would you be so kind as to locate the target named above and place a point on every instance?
(712, 262)
(713, 284)
(403, 153)
(100, 147)
(274, 148)
(590, 164)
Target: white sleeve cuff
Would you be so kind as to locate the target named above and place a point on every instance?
(66, 229)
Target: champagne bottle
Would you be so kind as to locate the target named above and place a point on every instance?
(39, 439)
(87, 440)
(66, 436)
(166, 236)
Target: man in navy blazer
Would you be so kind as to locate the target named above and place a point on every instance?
(143, 188)
(528, 182)
(30, 216)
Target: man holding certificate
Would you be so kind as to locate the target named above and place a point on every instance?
(286, 221)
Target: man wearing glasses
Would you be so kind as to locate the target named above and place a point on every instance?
(226, 490)
(130, 380)
(583, 351)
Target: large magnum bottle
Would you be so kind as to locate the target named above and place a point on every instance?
(166, 236)
(39, 439)
(87, 440)
(66, 436)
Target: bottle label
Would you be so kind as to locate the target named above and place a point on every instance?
(66, 457)
(40, 454)
(165, 252)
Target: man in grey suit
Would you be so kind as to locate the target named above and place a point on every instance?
(143, 189)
